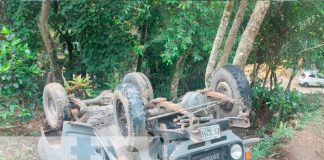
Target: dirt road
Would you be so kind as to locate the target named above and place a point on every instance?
(294, 85)
(307, 144)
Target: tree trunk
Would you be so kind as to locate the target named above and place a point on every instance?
(266, 77)
(70, 49)
(232, 33)
(293, 72)
(56, 69)
(246, 43)
(139, 63)
(271, 77)
(178, 71)
(217, 42)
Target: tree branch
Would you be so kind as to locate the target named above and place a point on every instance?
(315, 47)
(56, 69)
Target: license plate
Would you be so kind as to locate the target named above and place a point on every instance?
(210, 132)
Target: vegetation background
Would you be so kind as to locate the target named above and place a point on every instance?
(94, 43)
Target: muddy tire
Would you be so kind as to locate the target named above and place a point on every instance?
(305, 84)
(54, 100)
(130, 115)
(231, 81)
(141, 82)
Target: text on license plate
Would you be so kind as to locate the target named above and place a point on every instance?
(210, 132)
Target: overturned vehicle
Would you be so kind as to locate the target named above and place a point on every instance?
(130, 123)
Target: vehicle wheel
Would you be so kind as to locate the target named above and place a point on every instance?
(130, 115)
(54, 100)
(141, 82)
(231, 81)
(305, 84)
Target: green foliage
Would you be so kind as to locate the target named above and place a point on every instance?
(268, 144)
(106, 39)
(14, 113)
(18, 74)
(22, 16)
(79, 87)
(101, 37)
(284, 132)
(305, 32)
(282, 105)
(291, 32)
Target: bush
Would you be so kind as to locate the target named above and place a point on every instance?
(281, 105)
(268, 144)
(79, 87)
(19, 74)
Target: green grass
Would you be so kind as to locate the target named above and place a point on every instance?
(265, 148)
(267, 145)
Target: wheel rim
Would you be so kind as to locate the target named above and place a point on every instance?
(122, 118)
(224, 87)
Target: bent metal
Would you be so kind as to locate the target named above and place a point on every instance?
(129, 123)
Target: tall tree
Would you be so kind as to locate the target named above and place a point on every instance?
(232, 33)
(246, 43)
(217, 42)
(178, 71)
(56, 68)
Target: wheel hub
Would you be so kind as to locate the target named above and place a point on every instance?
(224, 87)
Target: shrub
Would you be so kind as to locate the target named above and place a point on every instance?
(268, 144)
(79, 86)
(19, 74)
(281, 105)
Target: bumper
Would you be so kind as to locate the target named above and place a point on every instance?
(217, 149)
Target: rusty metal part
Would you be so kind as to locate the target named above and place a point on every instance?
(180, 109)
(75, 114)
(199, 110)
(223, 97)
(172, 113)
(77, 101)
(162, 102)
(104, 98)
(84, 118)
(157, 111)
(176, 107)
(155, 101)
(239, 122)
(166, 108)
(158, 100)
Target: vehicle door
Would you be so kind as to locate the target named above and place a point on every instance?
(320, 79)
(312, 79)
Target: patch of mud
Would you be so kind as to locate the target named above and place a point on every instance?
(245, 133)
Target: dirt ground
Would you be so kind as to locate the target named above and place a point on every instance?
(20, 142)
(295, 85)
(307, 144)
(283, 75)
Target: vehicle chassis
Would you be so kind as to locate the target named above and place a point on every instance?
(94, 119)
